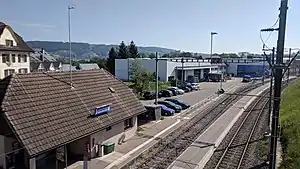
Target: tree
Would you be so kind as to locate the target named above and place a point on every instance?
(133, 50)
(123, 51)
(140, 77)
(110, 63)
(152, 55)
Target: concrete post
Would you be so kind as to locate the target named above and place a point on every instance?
(32, 163)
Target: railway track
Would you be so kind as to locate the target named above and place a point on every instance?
(161, 155)
(237, 149)
(234, 153)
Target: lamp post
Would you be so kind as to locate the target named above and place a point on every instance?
(211, 44)
(70, 47)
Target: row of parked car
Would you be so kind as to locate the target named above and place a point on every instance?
(172, 91)
(171, 106)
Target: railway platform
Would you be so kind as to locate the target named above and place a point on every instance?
(200, 151)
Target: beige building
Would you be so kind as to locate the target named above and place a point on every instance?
(14, 52)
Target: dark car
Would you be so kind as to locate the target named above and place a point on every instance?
(166, 93)
(165, 111)
(171, 105)
(185, 88)
(148, 95)
(179, 102)
(174, 92)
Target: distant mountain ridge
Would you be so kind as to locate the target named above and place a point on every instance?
(86, 50)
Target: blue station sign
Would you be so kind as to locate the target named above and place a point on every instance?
(101, 110)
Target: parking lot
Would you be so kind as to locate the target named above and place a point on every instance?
(206, 89)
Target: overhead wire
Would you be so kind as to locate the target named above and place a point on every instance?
(265, 41)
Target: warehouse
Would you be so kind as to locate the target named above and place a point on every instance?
(169, 68)
(255, 67)
(46, 118)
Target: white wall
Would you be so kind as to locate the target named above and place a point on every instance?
(113, 135)
(122, 67)
(6, 35)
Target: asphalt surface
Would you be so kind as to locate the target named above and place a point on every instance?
(206, 89)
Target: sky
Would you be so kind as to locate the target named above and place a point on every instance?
(176, 24)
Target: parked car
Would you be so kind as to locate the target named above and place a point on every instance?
(148, 95)
(165, 111)
(165, 93)
(171, 105)
(185, 89)
(193, 86)
(178, 91)
(173, 91)
(179, 102)
(246, 78)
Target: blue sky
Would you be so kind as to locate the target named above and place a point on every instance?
(177, 24)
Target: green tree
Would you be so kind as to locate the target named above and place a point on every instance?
(152, 55)
(123, 51)
(100, 62)
(140, 77)
(110, 62)
(133, 50)
(143, 55)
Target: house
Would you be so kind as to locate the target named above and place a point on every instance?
(87, 66)
(66, 67)
(14, 52)
(44, 118)
(41, 61)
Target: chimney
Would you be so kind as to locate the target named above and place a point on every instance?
(42, 55)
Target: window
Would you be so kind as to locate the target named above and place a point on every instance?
(128, 123)
(25, 58)
(22, 58)
(23, 70)
(5, 58)
(19, 58)
(108, 128)
(9, 43)
(8, 72)
(13, 58)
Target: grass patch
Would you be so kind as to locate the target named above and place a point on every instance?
(262, 149)
(290, 122)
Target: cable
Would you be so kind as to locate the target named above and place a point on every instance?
(264, 42)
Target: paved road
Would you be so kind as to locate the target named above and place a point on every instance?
(206, 89)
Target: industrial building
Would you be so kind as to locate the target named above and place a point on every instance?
(170, 68)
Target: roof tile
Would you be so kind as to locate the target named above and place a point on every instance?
(46, 113)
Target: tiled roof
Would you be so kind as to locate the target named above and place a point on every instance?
(45, 113)
(21, 44)
(35, 56)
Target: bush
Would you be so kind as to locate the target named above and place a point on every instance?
(290, 122)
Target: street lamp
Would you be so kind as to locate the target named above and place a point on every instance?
(70, 47)
(211, 44)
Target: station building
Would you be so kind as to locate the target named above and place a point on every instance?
(170, 68)
(47, 120)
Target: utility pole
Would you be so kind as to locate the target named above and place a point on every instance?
(182, 74)
(156, 74)
(278, 79)
(211, 44)
(288, 73)
(271, 85)
(70, 46)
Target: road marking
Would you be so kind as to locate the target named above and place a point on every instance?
(124, 157)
